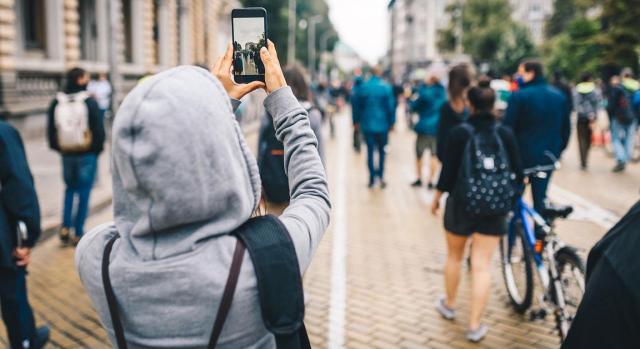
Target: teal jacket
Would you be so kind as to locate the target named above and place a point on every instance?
(427, 105)
(375, 106)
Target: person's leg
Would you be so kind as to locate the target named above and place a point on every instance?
(455, 253)
(86, 176)
(10, 307)
(539, 191)
(70, 182)
(617, 137)
(27, 321)
(434, 165)
(630, 137)
(381, 139)
(584, 139)
(482, 251)
(419, 152)
(371, 144)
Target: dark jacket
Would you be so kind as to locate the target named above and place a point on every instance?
(448, 120)
(95, 125)
(609, 314)
(539, 115)
(457, 142)
(427, 105)
(18, 199)
(586, 101)
(375, 106)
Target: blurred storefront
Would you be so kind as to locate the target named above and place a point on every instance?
(41, 39)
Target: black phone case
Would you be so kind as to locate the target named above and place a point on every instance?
(251, 12)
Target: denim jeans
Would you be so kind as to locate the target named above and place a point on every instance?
(622, 137)
(375, 142)
(79, 174)
(16, 311)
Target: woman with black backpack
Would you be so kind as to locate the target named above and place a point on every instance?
(481, 170)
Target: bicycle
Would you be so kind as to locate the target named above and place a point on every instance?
(560, 270)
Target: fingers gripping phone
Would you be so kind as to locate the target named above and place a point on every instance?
(249, 35)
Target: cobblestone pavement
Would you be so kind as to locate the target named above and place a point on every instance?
(381, 292)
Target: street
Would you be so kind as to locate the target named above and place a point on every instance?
(378, 272)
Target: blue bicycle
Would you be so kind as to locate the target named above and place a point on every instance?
(560, 270)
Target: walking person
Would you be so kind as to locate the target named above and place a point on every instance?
(463, 218)
(375, 118)
(18, 203)
(430, 98)
(587, 103)
(357, 136)
(76, 131)
(455, 110)
(174, 263)
(540, 117)
(623, 118)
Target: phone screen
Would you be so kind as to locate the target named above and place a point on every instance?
(249, 35)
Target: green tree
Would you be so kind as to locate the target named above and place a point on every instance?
(620, 38)
(489, 34)
(576, 50)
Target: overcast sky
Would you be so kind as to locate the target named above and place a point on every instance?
(248, 29)
(362, 24)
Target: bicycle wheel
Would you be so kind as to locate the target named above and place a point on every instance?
(517, 270)
(571, 272)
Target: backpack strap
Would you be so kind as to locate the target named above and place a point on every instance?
(279, 280)
(223, 309)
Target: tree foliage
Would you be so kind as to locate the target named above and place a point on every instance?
(489, 35)
(278, 22)
(576, 50)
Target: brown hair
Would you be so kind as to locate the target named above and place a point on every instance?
(459, 80)
(482, 97)
(296, 78)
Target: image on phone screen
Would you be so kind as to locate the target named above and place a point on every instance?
(248, 37)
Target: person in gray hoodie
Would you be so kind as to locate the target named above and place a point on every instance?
(183, 180)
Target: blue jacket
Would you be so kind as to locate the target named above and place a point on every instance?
(375, 106)
(539, 115)
(427, 105)
(18, 199)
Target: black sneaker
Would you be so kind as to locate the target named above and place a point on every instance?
(417, 183)
(64, 235)
(430, 186)
(41, 338)
(619, 167)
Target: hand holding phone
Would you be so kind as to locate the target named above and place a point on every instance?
(222, 70)
(274, 78)
(249, 36)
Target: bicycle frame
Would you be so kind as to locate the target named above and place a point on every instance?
(522, 213)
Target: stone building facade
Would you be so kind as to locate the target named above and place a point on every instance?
(41, 39)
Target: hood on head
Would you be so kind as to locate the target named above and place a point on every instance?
(182, 171)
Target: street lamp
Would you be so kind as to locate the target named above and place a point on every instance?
(311, 41)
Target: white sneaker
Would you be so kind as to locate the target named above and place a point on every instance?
(478, 334)
(445, 311)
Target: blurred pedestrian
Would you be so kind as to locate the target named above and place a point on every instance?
(460, 223)
(609, 313)
(375, 118)
(75, 130)
(18, 205)
(587, 101)
(275, 182)
(185, 190)
(561, 83)
(357, 135)
(623, 117)
(430, 99)
(540, 117)
(455, 111)
(101, 90)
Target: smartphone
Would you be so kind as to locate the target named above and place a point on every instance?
(249, 35)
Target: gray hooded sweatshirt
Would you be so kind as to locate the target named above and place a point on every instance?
(183, 179)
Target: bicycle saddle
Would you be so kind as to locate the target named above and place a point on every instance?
(552, 212)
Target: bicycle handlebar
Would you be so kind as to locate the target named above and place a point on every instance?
(540, 170)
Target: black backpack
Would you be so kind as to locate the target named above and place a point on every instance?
(486, 183)
(271, 164)
(624, 112)
(279, 284)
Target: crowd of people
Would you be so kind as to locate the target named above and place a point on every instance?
(186, 212)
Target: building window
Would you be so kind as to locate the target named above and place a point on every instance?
(33, 25)
(88, 30)
(156, 31)
(127, 26)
